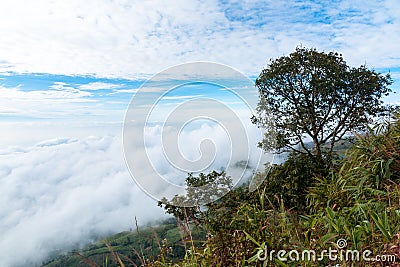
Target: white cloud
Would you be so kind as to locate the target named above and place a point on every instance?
(18, 136)
(60, 101)
(67, 94)
(136, 38)
(43, 103)
(63, 192)
(181, 97)
(98, 86)
(130, 91)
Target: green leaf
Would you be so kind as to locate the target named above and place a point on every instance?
(253, 240)
(382, 224)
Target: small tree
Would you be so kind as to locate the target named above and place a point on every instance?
(316, 96)
(201, 191)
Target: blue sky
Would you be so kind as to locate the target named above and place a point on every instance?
(55, 46)
(95, 58)
(83, 97)
(69, 69)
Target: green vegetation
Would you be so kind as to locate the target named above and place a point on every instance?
(133, 247)
(314, 201)
(303, 207)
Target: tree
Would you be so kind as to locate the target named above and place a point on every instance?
(200, 190)
(315, 96)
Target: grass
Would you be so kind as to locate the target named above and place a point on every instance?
(146, 241)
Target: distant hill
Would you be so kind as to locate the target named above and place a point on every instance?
(146, 241)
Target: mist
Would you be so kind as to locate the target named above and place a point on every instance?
(62, 193)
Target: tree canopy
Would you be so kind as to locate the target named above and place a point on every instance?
(316, 97)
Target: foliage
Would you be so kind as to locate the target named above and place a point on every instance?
(290, 181)
(159, 243)
(204, 188)
(370, 169)
(316, 95)
(359, 202)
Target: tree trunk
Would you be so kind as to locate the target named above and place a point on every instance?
(317, 148)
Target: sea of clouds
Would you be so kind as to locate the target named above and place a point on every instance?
(67, 190)
(62, 193)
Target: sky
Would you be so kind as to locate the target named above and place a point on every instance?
(70, 71)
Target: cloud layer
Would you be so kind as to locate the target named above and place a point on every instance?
(63, 192)
(136, 38)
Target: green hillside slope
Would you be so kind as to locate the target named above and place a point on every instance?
(138, 245)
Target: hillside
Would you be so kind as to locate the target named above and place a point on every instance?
(145, 242)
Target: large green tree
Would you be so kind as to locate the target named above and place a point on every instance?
(310, 96)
